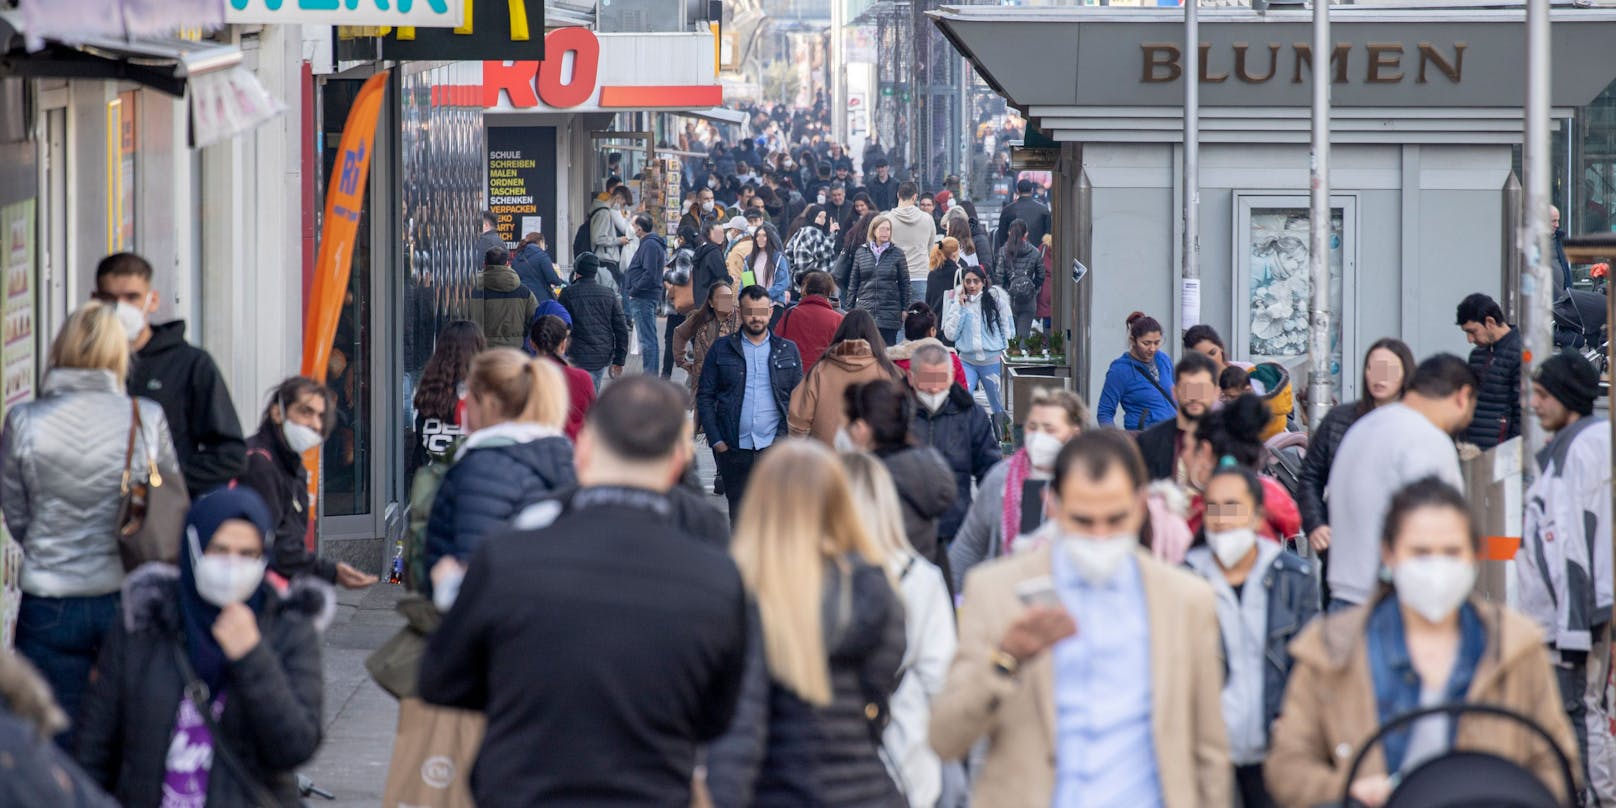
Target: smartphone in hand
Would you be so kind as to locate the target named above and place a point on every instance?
(1038, 592)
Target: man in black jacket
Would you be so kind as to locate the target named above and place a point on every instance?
(1497, 360)
(708, 266)
(1027, 209)
(883, 187)
(599, 330)
(643, 277)
(179, 376)
(1195, 387)
(744, 393)
(948, 419)
(603, 643)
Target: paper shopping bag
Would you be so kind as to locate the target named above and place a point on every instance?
(432, 756)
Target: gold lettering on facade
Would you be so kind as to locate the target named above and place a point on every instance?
(1338, 60)
(1206, 75)
(1240, 71)
(1161, 63)
(1430, 55)
(1383, 60)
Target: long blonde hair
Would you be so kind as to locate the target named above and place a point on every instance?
(875, 494)
(523, 388)
(799, 516)
(93, 339)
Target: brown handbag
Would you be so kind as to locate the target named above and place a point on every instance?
(151, 514)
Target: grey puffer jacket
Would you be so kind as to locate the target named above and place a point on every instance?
(879, 285)
(63, 460)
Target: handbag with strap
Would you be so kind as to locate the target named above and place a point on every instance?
(197, 692)
(151, 513)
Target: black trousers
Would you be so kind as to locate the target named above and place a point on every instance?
(675, 320)
(735, 466)
(1253, 793)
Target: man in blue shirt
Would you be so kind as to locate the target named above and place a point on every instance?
(1095, 670)
(745, 390)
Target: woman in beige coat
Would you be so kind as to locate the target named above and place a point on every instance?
(1424, 642)
(856, 355)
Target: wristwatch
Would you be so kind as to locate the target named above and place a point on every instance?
(1004, 663)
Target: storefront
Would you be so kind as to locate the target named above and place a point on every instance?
(1425, 131)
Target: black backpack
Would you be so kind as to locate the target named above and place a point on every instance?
(581, 242)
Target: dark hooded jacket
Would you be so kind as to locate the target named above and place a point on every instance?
(489, 485)
(707, 268)
(536, 270)
(502, 306)
(38, 772)
(782, 752)
(644, 272)
(926, 491)
(277, 474)
(1498, 402)
(272, 715)
(599, 329)
(964, 436)
(879, 285)
(201, 417)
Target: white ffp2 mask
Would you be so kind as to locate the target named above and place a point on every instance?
(223, 580)
(1434, 586)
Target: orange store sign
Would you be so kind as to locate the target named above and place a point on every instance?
(572, 76)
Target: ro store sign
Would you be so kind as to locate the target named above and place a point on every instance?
(406, 13)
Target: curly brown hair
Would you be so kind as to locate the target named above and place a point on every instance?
(439, 389)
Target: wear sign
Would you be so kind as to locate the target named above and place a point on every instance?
(418, 13)
(492, 29)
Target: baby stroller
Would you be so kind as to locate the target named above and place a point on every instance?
(1579, 319)
(1469, 779)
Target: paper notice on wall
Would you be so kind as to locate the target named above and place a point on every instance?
(1078, 270)
(532, 224)
(1189, 308)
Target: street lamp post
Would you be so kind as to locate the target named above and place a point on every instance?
(1318, 257)
(1537, 288)
(1190, 285)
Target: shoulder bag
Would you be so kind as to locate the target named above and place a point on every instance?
(196, 691)
(151, 513)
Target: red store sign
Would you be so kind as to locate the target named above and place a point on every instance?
(536, 84)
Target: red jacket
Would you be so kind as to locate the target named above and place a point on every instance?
(1283, 521)
(580, 397)
(810, 324)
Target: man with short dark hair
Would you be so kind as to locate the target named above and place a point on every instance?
(177, 375)
(837, 203)
(1195, 388)
(1027, 209)
(500, 303)
(489, 237)
(603, 643)
(745, 393)
(643, 282)
(883, 187)
(1563, 572)
(1497, 360)
(1392, 446)
(1093, 671)
(914, 232)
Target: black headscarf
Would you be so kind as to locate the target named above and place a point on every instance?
(198, 615)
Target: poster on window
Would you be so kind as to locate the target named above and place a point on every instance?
(1273, 291)
(16, 371)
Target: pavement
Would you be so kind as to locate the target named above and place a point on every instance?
(361, 718)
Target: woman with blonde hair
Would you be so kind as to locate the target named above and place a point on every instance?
(945, 271)
(929, 632)
(879, 281)
(61, 487)
(828, 639)
(514, 454)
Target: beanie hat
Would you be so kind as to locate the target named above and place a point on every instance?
(587, 265)
(553, 309)
(1571, 379)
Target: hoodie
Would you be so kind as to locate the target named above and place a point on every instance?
(914, 232)
(816, 405)
(502, 306)
(196, 402)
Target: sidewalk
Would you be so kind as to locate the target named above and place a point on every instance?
(360, 718)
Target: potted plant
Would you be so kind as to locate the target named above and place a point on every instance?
(1036, 345)
(1013, 347)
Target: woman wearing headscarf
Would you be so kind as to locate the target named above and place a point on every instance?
(209, 692)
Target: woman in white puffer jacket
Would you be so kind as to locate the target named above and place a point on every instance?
(928, 628)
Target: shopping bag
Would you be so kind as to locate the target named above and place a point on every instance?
(432, 756)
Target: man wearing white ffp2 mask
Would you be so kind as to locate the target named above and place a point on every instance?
(1086, 614)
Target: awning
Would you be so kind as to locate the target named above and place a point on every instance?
(225, 98)
(717, 115)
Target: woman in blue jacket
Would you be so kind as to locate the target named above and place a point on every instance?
(514, 455)
(1141, 380)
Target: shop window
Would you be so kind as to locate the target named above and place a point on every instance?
(345, 465)
(122, 127)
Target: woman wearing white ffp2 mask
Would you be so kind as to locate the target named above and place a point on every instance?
(208, 663)
(1425, 641)
(296, 420)
(1001, 510)
(1265, 595)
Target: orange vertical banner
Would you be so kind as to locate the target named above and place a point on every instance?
(344, 198)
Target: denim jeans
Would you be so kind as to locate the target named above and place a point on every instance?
(643, 314)
(988, 374)
(598, 375)
(62, 637)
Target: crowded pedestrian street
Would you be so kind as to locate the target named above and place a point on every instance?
(807, 404)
